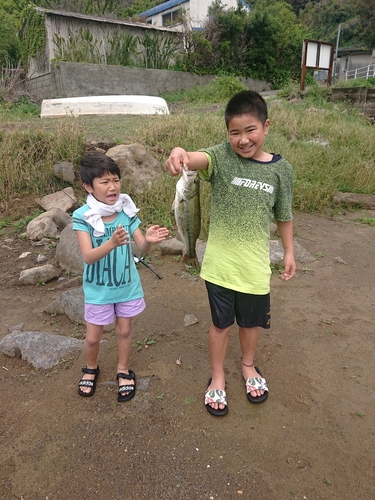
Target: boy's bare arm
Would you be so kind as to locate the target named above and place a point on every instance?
(191, 160)
(285, 229)
(90, 254)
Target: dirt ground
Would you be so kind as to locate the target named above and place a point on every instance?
(312, 439)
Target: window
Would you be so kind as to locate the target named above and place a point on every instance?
(173, 17)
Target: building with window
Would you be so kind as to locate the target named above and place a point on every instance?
(196, 11)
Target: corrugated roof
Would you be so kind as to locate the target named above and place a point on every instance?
(77, 15)
(162, 7)
(246, 5)
(173, 3)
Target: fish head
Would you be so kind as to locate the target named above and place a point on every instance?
(187, 185)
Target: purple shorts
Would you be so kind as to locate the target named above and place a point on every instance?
(104, 314)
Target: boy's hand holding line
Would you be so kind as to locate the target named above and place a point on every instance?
(176, 160)
(180, 158)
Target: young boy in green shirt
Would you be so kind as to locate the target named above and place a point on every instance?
(249, 187)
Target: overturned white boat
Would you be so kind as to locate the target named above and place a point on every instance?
(104, 105)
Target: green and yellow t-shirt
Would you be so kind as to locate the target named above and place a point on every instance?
(245, 196)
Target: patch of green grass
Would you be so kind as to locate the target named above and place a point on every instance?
(194, 271)
(5, 223)
(28, 153)
(21, 224)
(146, 343)
(220, 89)
(277, 268)
(367, 220)
(356, 82)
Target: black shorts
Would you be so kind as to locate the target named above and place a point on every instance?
(248, 309)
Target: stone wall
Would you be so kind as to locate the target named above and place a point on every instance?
(77, 80)
(362, 98)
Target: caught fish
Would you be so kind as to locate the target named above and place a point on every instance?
(187, 213)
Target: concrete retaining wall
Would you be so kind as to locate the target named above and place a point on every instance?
(360, 97)
(77, 80)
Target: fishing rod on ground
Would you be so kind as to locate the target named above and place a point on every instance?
(142, 261)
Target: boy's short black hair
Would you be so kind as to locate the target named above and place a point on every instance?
(246, 102)
(95, 164)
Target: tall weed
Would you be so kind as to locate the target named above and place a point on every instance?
(220, 89)
(28, 156)
(330, 147)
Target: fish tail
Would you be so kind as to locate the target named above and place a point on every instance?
(191, 261)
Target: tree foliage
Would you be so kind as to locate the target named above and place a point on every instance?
(366, 15)
(265, 43)
(10, 13)
(107, 8)
(135, 7)
(323, 19)
(32, 34)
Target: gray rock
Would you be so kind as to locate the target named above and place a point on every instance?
(65, 171)
(68, 254)
(320, 141)
(190, 319)
(65, 200)
(42, 243)
(171, 247)
(277, 253)
(174, 247)
(47, 225)
(69, 282)
(42, 350)
(366, 200)
(273, 229)
(37, 275)
(138, 168)
(70, 303)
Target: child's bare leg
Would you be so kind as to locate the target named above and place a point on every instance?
(249, 342)
(91, 345)
(124, 341)
(217, 343)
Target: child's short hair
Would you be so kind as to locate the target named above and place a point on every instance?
(95, 164)
(246, 102)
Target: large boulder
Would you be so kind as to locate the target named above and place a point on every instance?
(138, 168)
(65, 171)
(68, 254)
(42, 350)
(65, 200)
(48, 224)
(39, 275)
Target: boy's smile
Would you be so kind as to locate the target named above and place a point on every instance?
(247, 135)
(105, 189)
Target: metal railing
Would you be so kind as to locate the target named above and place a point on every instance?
(364, 72)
